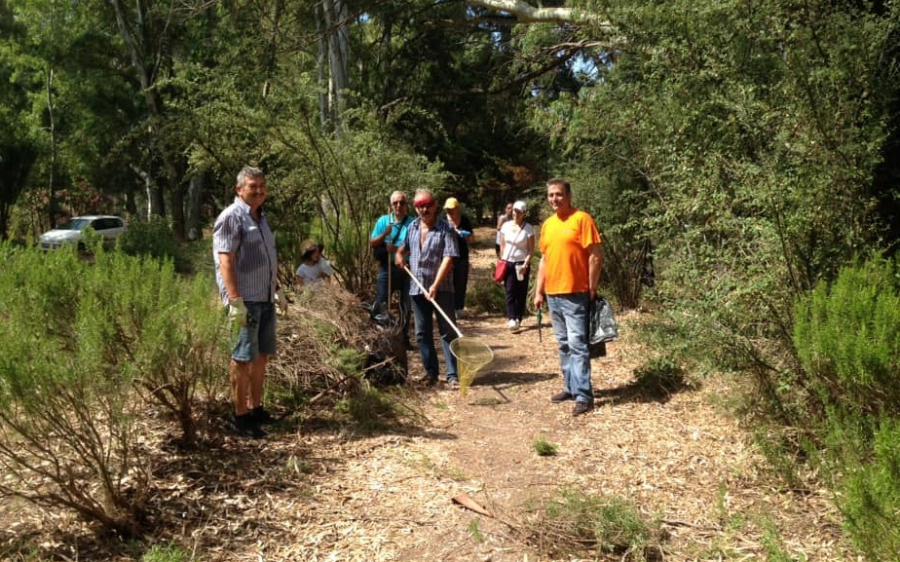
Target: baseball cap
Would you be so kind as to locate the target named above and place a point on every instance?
(451, 203)
(520, 206)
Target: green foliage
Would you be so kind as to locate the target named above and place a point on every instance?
(870, 498)
(347, 360)
(475, 530)
(574, 522)
(660, 374)
(543, 447)
(154, 239)
(369, 408)
(847, 335)
(166, 553)
(486, 296)
(83, 341)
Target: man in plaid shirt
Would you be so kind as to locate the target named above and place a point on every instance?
(431, 246)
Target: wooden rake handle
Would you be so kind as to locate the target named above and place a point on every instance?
(436, 305)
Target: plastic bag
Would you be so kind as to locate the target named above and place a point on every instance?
(603, 326)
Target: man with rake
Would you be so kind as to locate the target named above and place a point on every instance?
(568, 275)
(432, 248)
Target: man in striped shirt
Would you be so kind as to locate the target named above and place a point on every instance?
(432, 248)
(247, 275)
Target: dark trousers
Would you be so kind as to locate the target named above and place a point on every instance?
(460, 282)
(399, 283)
(516, 291)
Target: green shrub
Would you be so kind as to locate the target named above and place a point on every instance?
(847, 336)
(80, 344)
(870, 498)
(575, 522)
(155, 239)
(369, 408)
(166, 553)
(660, 374)
(543, 447)
(486, 296)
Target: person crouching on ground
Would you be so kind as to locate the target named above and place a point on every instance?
(314, 269)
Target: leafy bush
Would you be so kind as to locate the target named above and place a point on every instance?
(486, 296)
(847, 335)
(575, 522)
(155, 239)
(543, 447)
(80, 344)
(660, 374)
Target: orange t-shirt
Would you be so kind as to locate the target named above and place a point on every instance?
(564, 245)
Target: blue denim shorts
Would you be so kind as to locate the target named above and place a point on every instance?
(258, 336)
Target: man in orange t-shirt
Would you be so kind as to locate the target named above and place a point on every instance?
(568, 275)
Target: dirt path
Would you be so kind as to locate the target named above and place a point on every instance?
(683, 460)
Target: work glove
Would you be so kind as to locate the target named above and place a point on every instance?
(281, 302)
(237, 312)
(465, 233)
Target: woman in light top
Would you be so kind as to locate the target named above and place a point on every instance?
(517, 249)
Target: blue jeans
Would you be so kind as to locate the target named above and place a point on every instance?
(258, 336)
(399, 282)
(424, 311)
(571, 320)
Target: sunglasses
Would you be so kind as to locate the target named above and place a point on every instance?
(400, 202)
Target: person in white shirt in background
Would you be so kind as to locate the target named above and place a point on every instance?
(517, 249)
(313, 268)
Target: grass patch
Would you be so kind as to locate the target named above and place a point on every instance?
(575, 524)
(543, 447)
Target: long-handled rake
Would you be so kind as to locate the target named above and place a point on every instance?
(471, 355)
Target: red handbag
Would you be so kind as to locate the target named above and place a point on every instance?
(500, 271)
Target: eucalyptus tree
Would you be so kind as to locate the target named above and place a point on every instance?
(16, 149)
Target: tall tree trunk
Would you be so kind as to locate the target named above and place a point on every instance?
(135, 35)
(53, 204)
(337, 40)
(192, 215)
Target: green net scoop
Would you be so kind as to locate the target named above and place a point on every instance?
(471, 356)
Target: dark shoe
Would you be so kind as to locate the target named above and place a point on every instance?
(261, 416)
(246, 427)
(582, 408)
(427, 380)
(410, 346)
(561, 397)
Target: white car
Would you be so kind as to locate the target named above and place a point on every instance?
(107, 226)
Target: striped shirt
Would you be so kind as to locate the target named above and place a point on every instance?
(253, 245)
(424, 261)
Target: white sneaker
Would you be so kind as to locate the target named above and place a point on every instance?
(518, 324)
(511, 324)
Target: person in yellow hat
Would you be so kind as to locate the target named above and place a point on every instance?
(463, 227)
